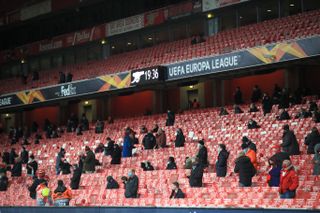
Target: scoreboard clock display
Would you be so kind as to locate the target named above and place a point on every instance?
(148, 75)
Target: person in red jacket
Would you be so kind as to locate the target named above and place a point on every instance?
(289, 181)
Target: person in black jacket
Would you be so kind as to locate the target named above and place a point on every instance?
(256, 94)
(252, 124)
(249, 143)
(238, 96)
(312, 139)
(76, 177)
(176, 191)
(171, 164)
(149, 141)
(266, 104)
(303, 114)
(279, 156)
(17, 168)
(146, 166)
(245, 169)
(12, 156)
(170, 118)
(253, 108)
(62, 78)
(289, 141)
(69, 77)
(6, 157)
(131, 185)
(284, 100)
(180, 139)
(116, 155)
(223, 111)
(316, 116)
(195, 178)
(222, 161)
(109, 148)
(24, 155)
(202, 154)
(65, 167)
(284, 115)
(40, 178)
(32, 166)
(237, 109)
(112, 183)
(4, 182)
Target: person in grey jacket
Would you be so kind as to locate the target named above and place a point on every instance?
(131, 185)
(316, 160)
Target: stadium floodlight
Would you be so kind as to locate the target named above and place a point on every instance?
(86, 102)
(129, 43)
(269, 11)
(103, 41)
(291, 5)
(209, 15)
(191, 86)
(113, 47)
(23, 61)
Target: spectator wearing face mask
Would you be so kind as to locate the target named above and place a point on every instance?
(171, 164)
(176, 191)
(131, 185)
(222, 161)
(289, 181)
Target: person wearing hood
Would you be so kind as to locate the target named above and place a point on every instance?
(112, 183)
(171, 165)
(202, 154)
(32, 166)
(289, 181)
(316, 160)
(245, 169)
(76, 177)
(61, 195)
(289, 141)
(312, 140)
(249, 143)
(222, 161)
(180, 139)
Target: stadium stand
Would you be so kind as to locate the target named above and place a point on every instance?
(276, 30)
(154, 187)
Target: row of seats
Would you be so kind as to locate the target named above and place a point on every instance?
(154, 186)
(277, 30)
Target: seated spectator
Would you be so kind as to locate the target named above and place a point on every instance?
(266, 104)
(252, 124)
(76, 177)
(312, 139)
(303, 114)
(180, 139)
(289, 181)
(170, 118)
(195, 104)
(284, 115)
(12, 156)
(289, 141)
(116, 155)
(222, 161)
(108, 148)
(24, 155)
(110, 120)
(223, 111)
(149, 141)
(143, 129)
(195, 178)
(316, 116)
(155, 128)
(69, 77)
(273, 178)
(249, 143)
(32, 166)
(127, 145)
(61, 195)
(316, 160)
(17, 168)
(245, 169)
(176, 191)
(65, 167)
(6, 157)
(62, 78)
(313, 106)
(171, 164)
(202, 154)
(250, 154)
(146, 166)
(279, 156)
(4, 182)
(188, 163)
(78, 130)
(253, 108)
(89, 162)
(256, 94)
(237, 109)
(112, 183)
(131, 185)
(161, 138)
(99, 148)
